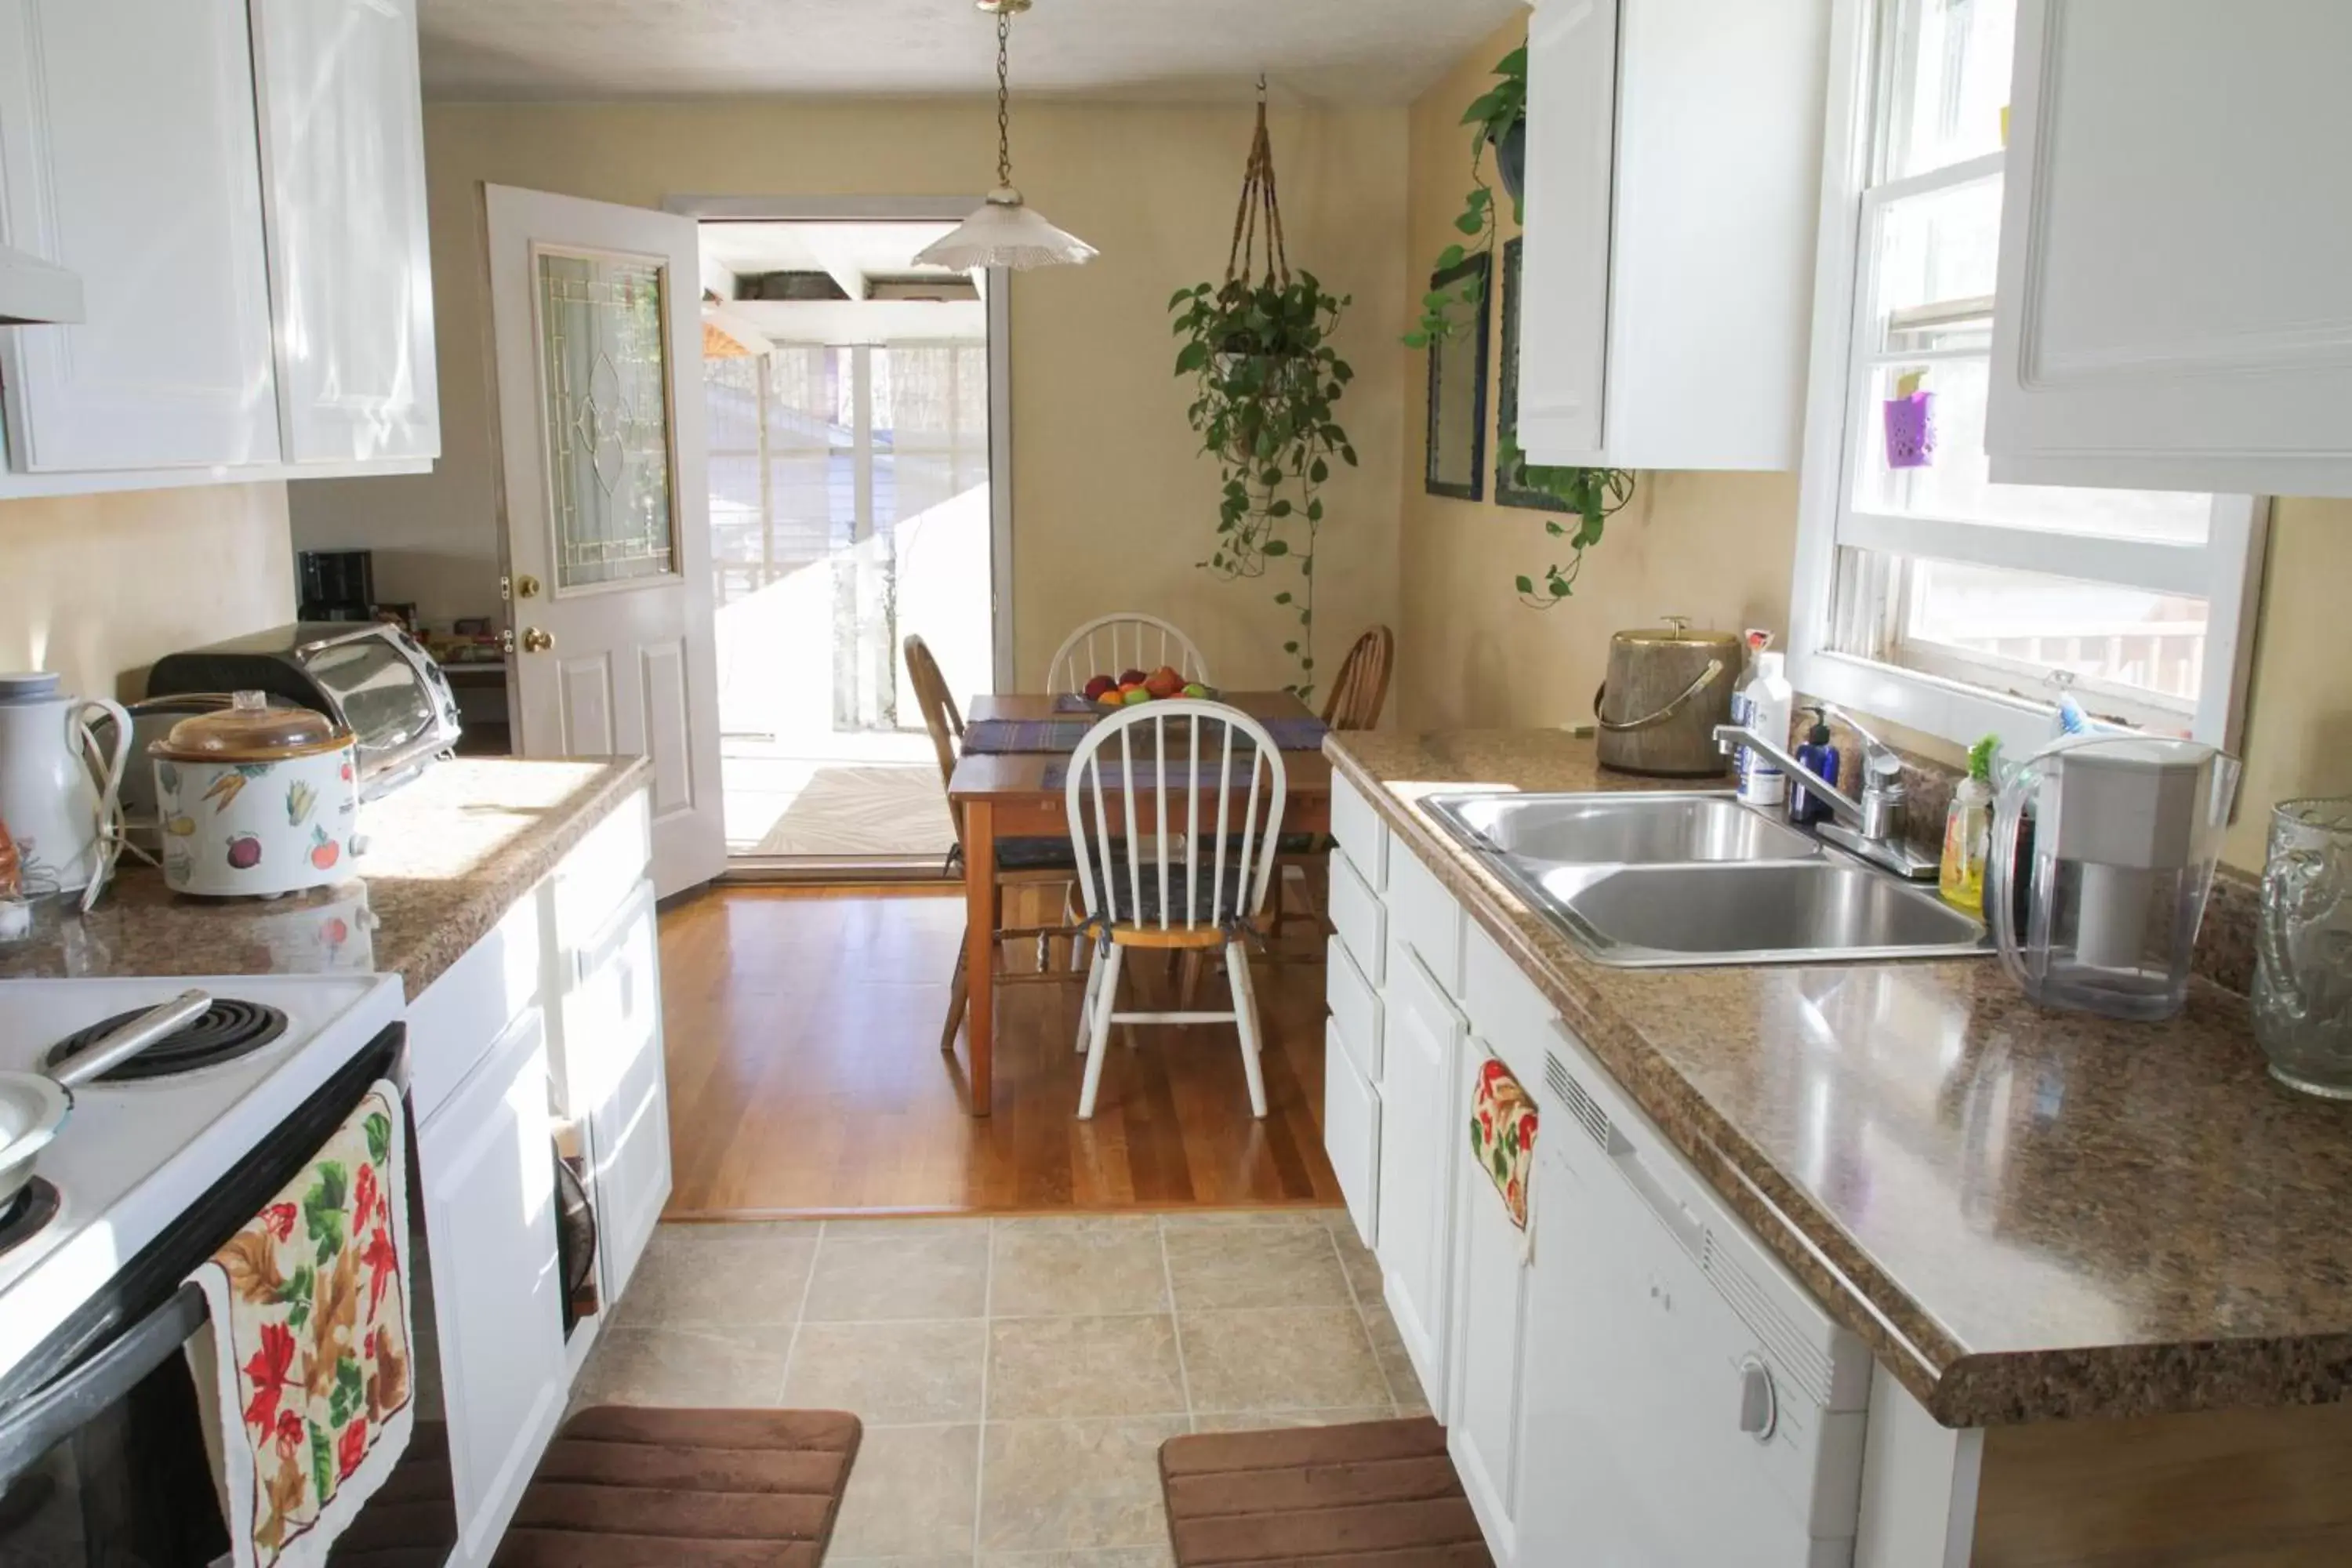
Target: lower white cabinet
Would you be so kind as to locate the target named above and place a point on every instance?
(1491, 1286)
(614, 1073)
(486, 1164)
(1418, 1130)
(1351, 1134)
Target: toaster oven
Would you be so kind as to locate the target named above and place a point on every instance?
(373, 678)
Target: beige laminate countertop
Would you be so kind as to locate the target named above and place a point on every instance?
(2028, 1215)
(448, 854)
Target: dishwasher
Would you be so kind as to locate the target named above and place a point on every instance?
(1692, 1405)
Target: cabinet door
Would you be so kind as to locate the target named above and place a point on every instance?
(1419, 1133)
(342, 158)
(1564, 260)
(488, 1165)
(1490, 1287)
(614, 1074)
(128, 153)
(1351, 1134)
(2176, 235)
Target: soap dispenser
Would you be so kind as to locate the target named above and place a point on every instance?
(1806, 807)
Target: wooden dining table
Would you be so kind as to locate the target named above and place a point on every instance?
(1020, 794)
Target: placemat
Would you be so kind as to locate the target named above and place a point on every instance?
(1379, 1492)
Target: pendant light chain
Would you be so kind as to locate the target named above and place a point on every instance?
(1003, 100)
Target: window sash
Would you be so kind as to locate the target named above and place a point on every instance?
(2225, 571)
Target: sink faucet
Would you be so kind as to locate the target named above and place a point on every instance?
(1872, 826)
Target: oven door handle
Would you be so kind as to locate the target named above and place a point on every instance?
(48, 1417)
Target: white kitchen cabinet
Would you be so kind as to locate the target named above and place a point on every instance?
(615, 1079)
(128, 153)
(240, 186)
(1672, 177)
(342, 162)
(1351, 1134)
(487, 1165)
(1489, 1282)
(1419, 1136)
(2175, 238)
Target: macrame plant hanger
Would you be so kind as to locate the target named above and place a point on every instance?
(1260, 210)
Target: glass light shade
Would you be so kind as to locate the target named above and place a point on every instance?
(1005, 232)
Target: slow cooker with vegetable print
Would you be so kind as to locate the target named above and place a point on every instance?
(256, 801)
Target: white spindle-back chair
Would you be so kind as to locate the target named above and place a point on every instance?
(1113, 645)
(1178, 854)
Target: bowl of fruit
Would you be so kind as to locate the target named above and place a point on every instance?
(1134, 686)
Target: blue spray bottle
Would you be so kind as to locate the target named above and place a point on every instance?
(1819, 755)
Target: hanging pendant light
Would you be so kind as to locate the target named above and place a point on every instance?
(1005, 231)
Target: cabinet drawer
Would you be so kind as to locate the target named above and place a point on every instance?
(1355, 1008)
(1358, 917)
(599, 873)
(1351, 1136)
(1424, 916)
(1504, 1006)
(1361, 831)
(452, 1026)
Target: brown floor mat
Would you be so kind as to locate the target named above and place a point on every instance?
(1379, 1495)
(623, 1487)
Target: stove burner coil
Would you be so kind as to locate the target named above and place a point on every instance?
(228, 1029)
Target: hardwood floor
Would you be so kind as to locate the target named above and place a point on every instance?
(806, 1076)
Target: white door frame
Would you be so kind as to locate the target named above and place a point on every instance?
(916, 209)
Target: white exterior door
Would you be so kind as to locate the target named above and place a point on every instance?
(596, 313)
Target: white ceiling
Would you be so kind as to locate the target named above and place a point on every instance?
(1334, 51)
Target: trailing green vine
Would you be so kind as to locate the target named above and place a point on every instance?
(1492, 117)
(1593, 494)
(1268, 384)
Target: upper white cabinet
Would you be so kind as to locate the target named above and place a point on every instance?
(2175, 246)
(1672, 197)
(343, 159)
(239, 185)
(128, 154)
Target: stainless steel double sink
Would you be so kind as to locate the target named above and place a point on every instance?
(1670, 879)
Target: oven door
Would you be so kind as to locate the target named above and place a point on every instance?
(103, 1452)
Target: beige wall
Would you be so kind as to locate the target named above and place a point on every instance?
(1112, 506)
(1714, 547)
(101, 586)
(1719, 548)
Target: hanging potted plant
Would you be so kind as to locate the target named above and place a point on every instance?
(1498, 120)
(1268, 383)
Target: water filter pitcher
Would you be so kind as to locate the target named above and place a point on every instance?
(2103, 848)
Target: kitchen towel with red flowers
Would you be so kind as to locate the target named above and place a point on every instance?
(309, 1345)
(1503, 1141)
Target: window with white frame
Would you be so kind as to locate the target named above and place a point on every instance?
(1925, 593)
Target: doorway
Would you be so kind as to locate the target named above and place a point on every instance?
(854, 410)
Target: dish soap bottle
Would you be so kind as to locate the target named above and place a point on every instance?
(1762, 705)
(1967, 830)
(1805, 807)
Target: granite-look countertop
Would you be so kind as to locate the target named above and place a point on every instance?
(2028, 1215)
(448, 854)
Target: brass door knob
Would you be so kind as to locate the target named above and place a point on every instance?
(536, 641)
(526, 586)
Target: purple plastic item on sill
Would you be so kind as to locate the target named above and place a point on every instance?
(1911, 431)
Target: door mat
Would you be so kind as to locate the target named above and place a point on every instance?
(1382, 1494)
(629, 1487)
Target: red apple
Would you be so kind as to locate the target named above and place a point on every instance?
(1163, 682)
(1098, 686)
(1133, 677)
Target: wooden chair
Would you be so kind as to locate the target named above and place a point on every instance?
(1129, 640)
(1019, 862)
(1357, 697)
(1196, 757)
(1363, 688)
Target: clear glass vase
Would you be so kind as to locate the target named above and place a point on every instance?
(2303, 975)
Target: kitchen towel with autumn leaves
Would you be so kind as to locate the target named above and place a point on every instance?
(1503, 1141)
(310, 1343)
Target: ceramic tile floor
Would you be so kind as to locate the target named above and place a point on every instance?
(1016, 1376)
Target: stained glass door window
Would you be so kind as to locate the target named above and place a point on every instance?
(605, 378)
